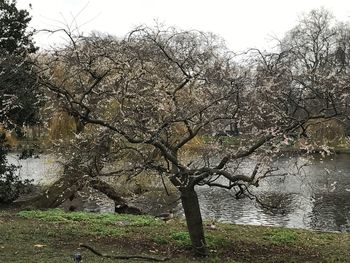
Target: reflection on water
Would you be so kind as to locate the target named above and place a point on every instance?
(319, 198)
(334, 211)
(220, 205)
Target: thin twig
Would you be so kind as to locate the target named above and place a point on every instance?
(122, 257)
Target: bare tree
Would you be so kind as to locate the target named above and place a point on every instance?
(158, 90)
(315, 57)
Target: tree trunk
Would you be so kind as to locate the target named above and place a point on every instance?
(66, 187)
(107, 189)
(56, 194)
(194, 221)
(121, 205)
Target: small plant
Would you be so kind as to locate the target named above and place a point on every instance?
(281, 236)
(103, 230)
(181, 237)
(161, 240)
(215, 241)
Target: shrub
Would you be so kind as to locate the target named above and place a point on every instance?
(11, 185)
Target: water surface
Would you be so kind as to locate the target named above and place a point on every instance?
(317, 198)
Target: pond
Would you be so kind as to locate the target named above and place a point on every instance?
(318, 198)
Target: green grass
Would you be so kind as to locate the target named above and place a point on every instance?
(105, 224)
(281, 236)
(53, 235)
(181, 238)
(58, 215)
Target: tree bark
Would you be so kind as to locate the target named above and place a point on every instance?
(194, 221)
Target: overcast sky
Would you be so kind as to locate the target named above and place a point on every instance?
(242, 23)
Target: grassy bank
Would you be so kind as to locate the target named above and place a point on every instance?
(53, 236)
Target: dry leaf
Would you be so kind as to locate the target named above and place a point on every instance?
(39, 245)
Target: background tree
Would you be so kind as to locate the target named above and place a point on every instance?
(312, 70)
(15, 37)
(18, 90)
(20, 102)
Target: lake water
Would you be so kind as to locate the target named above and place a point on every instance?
(318, 198)
(41, 170)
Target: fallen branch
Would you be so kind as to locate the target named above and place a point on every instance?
(122, 257)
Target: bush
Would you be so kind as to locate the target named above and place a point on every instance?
(11, 186)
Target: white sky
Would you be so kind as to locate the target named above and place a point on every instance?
(242, 23)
